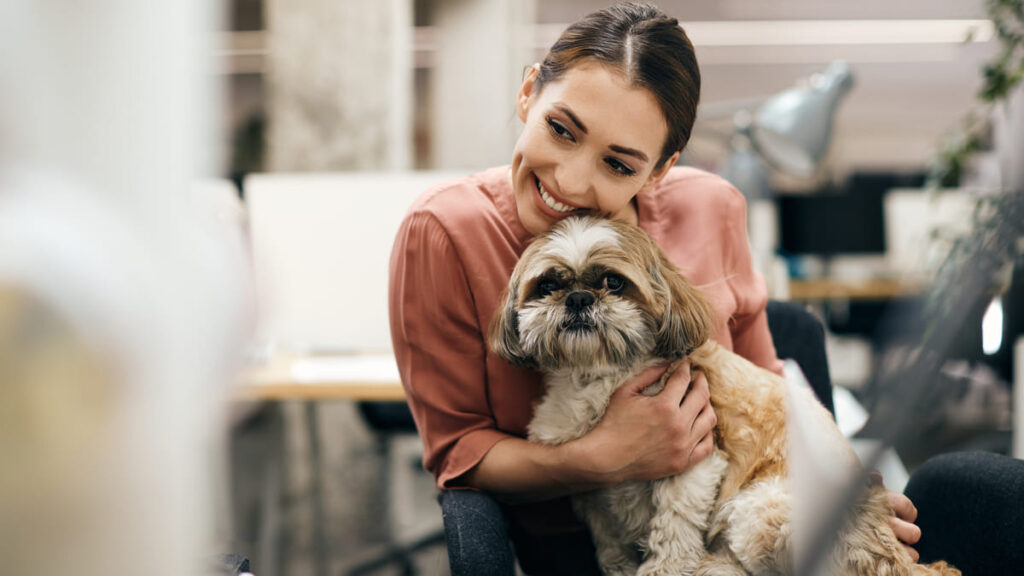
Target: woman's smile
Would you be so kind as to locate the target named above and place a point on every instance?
(559, 206)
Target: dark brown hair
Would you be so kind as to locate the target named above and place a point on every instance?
(649, 48)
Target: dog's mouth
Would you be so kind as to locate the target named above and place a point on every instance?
(578, 325)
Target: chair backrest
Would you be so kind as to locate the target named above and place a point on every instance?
(321, 246)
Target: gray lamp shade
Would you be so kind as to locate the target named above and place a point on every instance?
(792, 130)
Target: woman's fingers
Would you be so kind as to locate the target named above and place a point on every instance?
(907, 534)
(902, 523)
(697, 396)
(902, 506)
(705, 422)
(702, 449)
(678, 383)
(644, 379)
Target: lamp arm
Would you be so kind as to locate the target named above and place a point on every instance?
(709, 131)
(726, 108)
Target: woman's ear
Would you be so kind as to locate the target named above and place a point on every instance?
(526, 91)
(661, 171)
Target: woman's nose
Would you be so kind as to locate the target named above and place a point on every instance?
(575, 179)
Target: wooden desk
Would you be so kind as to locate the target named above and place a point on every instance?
(311, 378)
(370, 377)
(874, 289)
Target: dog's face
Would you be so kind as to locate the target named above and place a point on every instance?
(597, 295)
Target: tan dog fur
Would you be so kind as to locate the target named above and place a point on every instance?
(729, 514)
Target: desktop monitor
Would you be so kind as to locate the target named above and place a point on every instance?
(848, 219)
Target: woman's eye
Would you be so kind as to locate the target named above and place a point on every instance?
(546, 287)
(619, 168)
(614, 283)
(560, 131)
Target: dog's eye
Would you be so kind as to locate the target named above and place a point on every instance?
(614, 283)
(546, 286)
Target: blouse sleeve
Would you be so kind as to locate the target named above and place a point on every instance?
(749, 324)
(440, 350)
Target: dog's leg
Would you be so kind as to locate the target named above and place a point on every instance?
(675, 543)
(868, 546)
(616, 551)
(759, 527)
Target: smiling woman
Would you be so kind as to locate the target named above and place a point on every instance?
(605, 117)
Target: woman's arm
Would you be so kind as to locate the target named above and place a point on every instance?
(639, 438)
(749, 322)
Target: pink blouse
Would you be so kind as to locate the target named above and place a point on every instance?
(452, 258)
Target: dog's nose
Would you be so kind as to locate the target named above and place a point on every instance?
(579, 301)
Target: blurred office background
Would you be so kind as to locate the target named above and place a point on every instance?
(323, 111)
(429, 85)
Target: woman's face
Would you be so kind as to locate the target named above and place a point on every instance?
(589, 145)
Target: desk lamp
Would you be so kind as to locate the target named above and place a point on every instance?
(790, 131)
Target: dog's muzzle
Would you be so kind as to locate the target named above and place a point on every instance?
(578, 304)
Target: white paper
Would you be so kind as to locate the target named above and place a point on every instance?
(371, 369)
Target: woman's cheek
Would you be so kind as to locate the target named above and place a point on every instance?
(616, 202)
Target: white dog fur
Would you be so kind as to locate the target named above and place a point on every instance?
(592, 303)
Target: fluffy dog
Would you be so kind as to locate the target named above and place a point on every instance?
(594, 302)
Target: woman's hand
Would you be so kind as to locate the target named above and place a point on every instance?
(639, 438)
(902, 523)
(647, 437)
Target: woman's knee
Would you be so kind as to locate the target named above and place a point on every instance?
(971, 511)
(475, 534)
(961, 475)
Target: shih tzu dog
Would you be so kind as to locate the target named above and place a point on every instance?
(594, 302)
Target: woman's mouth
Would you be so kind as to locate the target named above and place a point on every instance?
(550, 200)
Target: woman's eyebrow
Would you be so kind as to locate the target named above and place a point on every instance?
(565, 110)
(628, 152)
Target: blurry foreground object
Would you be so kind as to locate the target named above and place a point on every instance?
(120, 304)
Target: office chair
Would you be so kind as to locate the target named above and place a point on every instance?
(797, 335)
(388, 419)
(800, 336)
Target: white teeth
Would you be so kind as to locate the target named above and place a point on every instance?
(551, 202)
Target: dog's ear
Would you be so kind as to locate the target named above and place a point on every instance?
(503, 333)
(687, 318)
